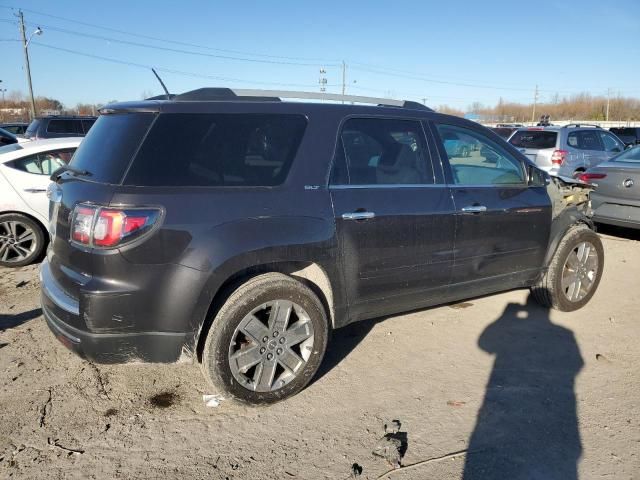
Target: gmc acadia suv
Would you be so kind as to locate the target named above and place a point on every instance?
(238, 231)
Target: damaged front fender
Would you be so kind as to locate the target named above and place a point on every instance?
(570, 206)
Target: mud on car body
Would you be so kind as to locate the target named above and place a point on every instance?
(238, 231)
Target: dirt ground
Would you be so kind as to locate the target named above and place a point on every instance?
(494, 387)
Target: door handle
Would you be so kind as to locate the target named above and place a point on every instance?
(358, 215)
(474, 209)
(35, 190)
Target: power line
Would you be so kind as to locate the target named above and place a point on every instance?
(168, 70)
(174, 50)
(175, 42)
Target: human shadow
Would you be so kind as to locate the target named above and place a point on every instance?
(11, 321)
(527, 427)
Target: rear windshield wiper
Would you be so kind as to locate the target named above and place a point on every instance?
(67, 168)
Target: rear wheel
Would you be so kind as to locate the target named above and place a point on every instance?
(22, 240)
(574, 272)
(267, 340)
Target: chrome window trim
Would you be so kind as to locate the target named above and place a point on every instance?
(429, 185)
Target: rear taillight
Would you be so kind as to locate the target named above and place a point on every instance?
(102, 227)
(558, 157)
(589, 177)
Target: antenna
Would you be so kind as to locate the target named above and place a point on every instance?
(161, 83)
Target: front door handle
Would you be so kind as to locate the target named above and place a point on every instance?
(358, 215)
(474, 209)
(35, 190)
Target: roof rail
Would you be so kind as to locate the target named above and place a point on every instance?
(593, 125)
(219, 94)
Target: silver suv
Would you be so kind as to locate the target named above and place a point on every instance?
(567, 150)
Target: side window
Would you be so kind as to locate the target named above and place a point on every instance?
(584, 140)
(64, 126)
(44, 163)
(377, 151)
(477, 160)
(611, 144)
(87, 124)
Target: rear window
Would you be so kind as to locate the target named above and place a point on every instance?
(534, 139)
(107, 149)
(503, 132)
(65, 126)
(217, 150)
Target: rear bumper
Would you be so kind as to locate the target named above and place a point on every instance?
(60, 310)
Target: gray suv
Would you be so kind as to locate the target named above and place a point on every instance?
(568, 150)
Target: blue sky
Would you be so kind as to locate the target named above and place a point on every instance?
(453, 53)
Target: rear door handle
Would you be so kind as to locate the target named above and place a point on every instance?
(474, 209)
(35, 190)
(358, 215)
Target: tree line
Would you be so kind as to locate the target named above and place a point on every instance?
(582, 106)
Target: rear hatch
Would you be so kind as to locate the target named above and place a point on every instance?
(537, 144)
(104, 155)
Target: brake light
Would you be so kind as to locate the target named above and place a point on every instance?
(558, 157)
(111, 227)
(588, 177)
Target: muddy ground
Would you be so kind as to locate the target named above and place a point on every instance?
(495, 387)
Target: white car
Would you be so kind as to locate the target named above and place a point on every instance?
(24, 208)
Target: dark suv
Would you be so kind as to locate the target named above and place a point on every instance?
(59, 127)
(239, 231)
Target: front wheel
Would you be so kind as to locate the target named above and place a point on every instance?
(267, 341)
(574, 272)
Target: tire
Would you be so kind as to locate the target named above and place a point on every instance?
(22, 240)
(228, 339)
(550, 292)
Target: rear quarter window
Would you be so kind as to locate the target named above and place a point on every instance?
(218, 150)
(537, 139)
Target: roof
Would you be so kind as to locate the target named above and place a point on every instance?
(67, 117)
(198, 100)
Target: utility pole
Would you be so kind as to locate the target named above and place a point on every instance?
(608, 99)
(344, 78)
(424, 101)
(26, 62)
(535, 102)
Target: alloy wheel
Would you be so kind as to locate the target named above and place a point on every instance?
(579, 272)
(18, 241)
(271, 346)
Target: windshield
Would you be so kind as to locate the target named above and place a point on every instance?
(534, 139)
(630, 156)
(10, 148)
